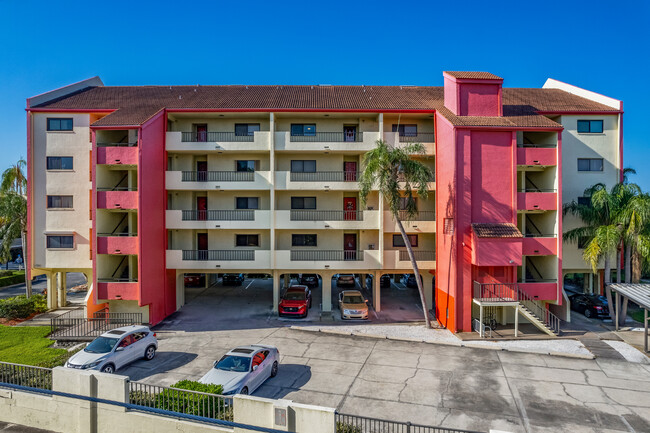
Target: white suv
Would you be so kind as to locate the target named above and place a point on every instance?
(115, 349)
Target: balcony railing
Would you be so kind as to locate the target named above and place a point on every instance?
(215, 136)
(537, 190)
(133, 144)
(538, 280)
(423, 215)
(117, 280)
(540, 235)
(326, 255)
(326, 215)
(420, 137)
(401, 178)
(218, 176)
(218, 255)
(328, 137)
(219, 215)
(536, 145)
(110, 234)
(118, 188)
(325, 176)
(425, 256)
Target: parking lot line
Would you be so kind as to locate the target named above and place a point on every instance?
(249, 284)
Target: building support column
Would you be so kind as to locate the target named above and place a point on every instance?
(287, 280)
(618, 307)
(180, 289)
(277, 288)
(480, 319)
(364, 286)
(376, 291)
(645, 330)
(326, 302)
(516, 321)
(52, 299)
(427, 285)
(62, 282)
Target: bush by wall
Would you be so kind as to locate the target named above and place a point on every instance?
(21, 306)
(7, 278)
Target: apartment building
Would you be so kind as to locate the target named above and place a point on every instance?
(139, 186)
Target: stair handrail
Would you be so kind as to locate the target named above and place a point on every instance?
(548, 318)
(119, 224)
(118, 266)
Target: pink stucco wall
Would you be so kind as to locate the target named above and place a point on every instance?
(540, 246)
(117, 199)
(536, 156)
(537, 201)
(117, 245)
(496, 251)
(117, 155)
(479, 99)
(541, 291)
(124, 291)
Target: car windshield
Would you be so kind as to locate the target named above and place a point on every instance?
(101, 345)
(234, 363)
(352, 299)
(294, 296)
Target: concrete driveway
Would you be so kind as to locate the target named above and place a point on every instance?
(423, 383)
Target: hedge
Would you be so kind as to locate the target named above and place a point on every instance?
(21, 306)
(8, 278)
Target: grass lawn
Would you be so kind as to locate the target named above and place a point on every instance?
(637, 315)
(29, 345)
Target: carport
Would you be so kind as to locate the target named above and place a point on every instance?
(640, 294)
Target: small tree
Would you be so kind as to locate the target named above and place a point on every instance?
(393, 171)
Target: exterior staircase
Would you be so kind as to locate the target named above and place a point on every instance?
(512, 295)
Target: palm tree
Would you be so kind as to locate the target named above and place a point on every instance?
(393, 171)
(14, 179)
(13, 220)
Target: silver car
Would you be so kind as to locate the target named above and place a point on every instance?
(115, 349)
(244, 369)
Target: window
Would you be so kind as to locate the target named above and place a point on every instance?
(247, 202)
(246, 165)
(247, 240)
(404, 200)
(303, 240)
(406, 130)
(590, 164)
(246, 129)
(59, 202)
(584, 201)
(59, 163)
(303, 129)
(398, 240)
(590, 126)
(303, 166)
(58, 124)
(303, 202)
(66, 241)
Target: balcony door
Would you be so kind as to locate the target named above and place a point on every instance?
(349, 246)
(201, 171)
(202, 132)
(349, 133)
(202, 246)
(201, 208)
(349, 208)
(350, 171)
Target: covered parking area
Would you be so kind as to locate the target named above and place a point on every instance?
(398, 300)
(638, 293)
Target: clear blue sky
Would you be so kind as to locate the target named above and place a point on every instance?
(599, 45)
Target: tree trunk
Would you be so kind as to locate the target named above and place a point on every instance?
(608, 271)
(28, 282)
(622, 316)
(608, 290)
(618, 263)
(636, 267)
(414, 263)
(628, 262)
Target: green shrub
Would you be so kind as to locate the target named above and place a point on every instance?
(192, 385)
(21, 306)
(12, 278)
(6, 273)
(342, 427)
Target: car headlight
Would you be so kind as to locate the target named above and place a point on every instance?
(92, 364)
(346, 311)
(231, 392)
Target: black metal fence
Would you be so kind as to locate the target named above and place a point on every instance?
(326, 255)
(419, 255)
(204, 255)
(324, 176)
(326, 215)
(73, 326)
(181, 401)
(218, 176)
(26, 375)
(329, 137)
(215, 136)
(360, 424)
(219, 215)
(420, 137)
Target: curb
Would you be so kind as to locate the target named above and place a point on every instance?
(469, 345)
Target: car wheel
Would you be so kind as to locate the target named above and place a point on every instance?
(150, 353)
(274, 369)
(244, 391)
(587, 313)
(108, 368)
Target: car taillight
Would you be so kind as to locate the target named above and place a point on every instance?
(154, 334)
(598, 308)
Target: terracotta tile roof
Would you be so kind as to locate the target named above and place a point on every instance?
(135, 104)
(473, 75)
(496, 230)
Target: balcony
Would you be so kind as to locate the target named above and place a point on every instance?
(117, 198)
(539, 245)
(299, 219)
(225, 180)
(222, 141)
(225, 259)
(327, 259)
(223, 219)
(532, 200)
(427, 139)
(424, 221)
(399, 259)
(333, 180)
(329, 141)
(540, 289)
(118, 288)
(117, 155)
(530, 155)
(117, 243)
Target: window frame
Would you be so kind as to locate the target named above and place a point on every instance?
(590, 160)
(49, 247)
(401, 129)
(303, 203)
(297, 236)
(302, 161)
(50, 120)
(590, 122)
(255, 165)
(411, 238)
(247, 243)
(249, 133)
(303, 127)
(49, 198)
(60, 158)
(248, 201)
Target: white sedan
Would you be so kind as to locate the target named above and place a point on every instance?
(244, 369)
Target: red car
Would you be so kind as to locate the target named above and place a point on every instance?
(295, 302)
(194, 280)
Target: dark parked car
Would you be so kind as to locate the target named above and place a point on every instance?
(409, 281)
(384, 281)
(194, 280)
(590, 305)
(309, 280)
(295, 302)
(233, 279)
(345, 280)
